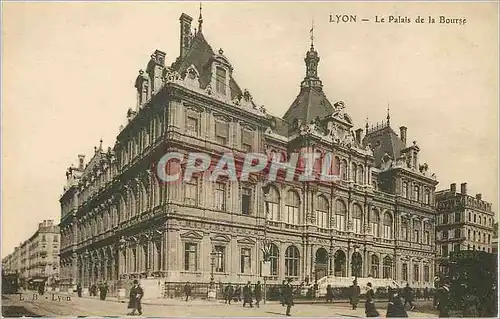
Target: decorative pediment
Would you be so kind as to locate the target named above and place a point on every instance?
(268, 131)
(220, 238)
(192, 235)
(246, 241)
(222, 117)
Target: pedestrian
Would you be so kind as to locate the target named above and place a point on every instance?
(135, 297)
(187, 290)
(247, 295)
(282, 292)
(229, 292)
(443, 300)
(79, 290)
(288, 296)
(315, 289)
(370, 309)
(93, 290)
(354, 292)
(408, 295)
(395, 308)
(237, 293)
(329, 293)
(103, 291)
(258, 293)
(41, 288)
(426, 293)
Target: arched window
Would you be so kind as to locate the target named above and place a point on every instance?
(374, 269)
(354, 172)
(292, 257)
(427, 197)
(322, 213)
(404, 229)
(405, 189)
(361, 175)
(292, 208)
(416, 193)
(375, 223)
(273, 259)
(356, 218)
(336, 166)
(387, 227)
(416, 231)
(340, 214)
(343, 170)
(387, 267)
(273, 204)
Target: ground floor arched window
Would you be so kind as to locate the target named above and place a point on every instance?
(387, 267)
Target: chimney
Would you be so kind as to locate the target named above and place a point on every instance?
(358, 135)
(463, 188)
(479, 196)
(81, 159)
(453, 188)
(185, 21)
(402, 134)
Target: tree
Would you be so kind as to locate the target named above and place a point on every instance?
(473, 276)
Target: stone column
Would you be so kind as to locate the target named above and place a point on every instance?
(164, 251)
(330, 262)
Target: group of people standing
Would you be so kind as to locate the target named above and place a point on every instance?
(101, 286)
(234, 294)
(396, 306)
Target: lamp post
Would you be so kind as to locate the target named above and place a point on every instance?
(266, 244)
(211, 289)
(356, 262)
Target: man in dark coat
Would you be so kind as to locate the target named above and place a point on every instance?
(247, 295)
(370, 309)
(395, 308)
(408, 295)
(258, 293)
(315, 289)
(354, 292)
(282, 292)
(329, 293)
(443, 300)
(228, 293)
(187, 290)
(288, 296)
(79, 290)
(103, 291)
(135, 297)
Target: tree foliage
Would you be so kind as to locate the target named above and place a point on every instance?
(473, 276)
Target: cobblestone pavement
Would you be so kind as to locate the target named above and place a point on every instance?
(60, 305)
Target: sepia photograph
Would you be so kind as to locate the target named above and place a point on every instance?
(250, 159)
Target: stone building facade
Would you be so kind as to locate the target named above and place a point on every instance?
(38, 256)
(464, 222)
(119, 221)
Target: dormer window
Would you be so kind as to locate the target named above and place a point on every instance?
(220, 84)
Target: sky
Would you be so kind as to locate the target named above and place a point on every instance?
(69, 70)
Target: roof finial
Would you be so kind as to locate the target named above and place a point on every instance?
(388, 115)
(200, 20)
(100, 144)
(312, 33)
(366, 125)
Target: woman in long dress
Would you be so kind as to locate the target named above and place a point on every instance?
(370, 309)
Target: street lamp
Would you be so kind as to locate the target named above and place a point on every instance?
(266, 244)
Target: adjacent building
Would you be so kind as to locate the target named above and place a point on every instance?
(37, 259)
(120, 222)
(464, 222)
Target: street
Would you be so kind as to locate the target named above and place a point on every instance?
(30, 304)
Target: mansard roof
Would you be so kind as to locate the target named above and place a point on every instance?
(384, 140)
(201, 55)
(309, 104)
